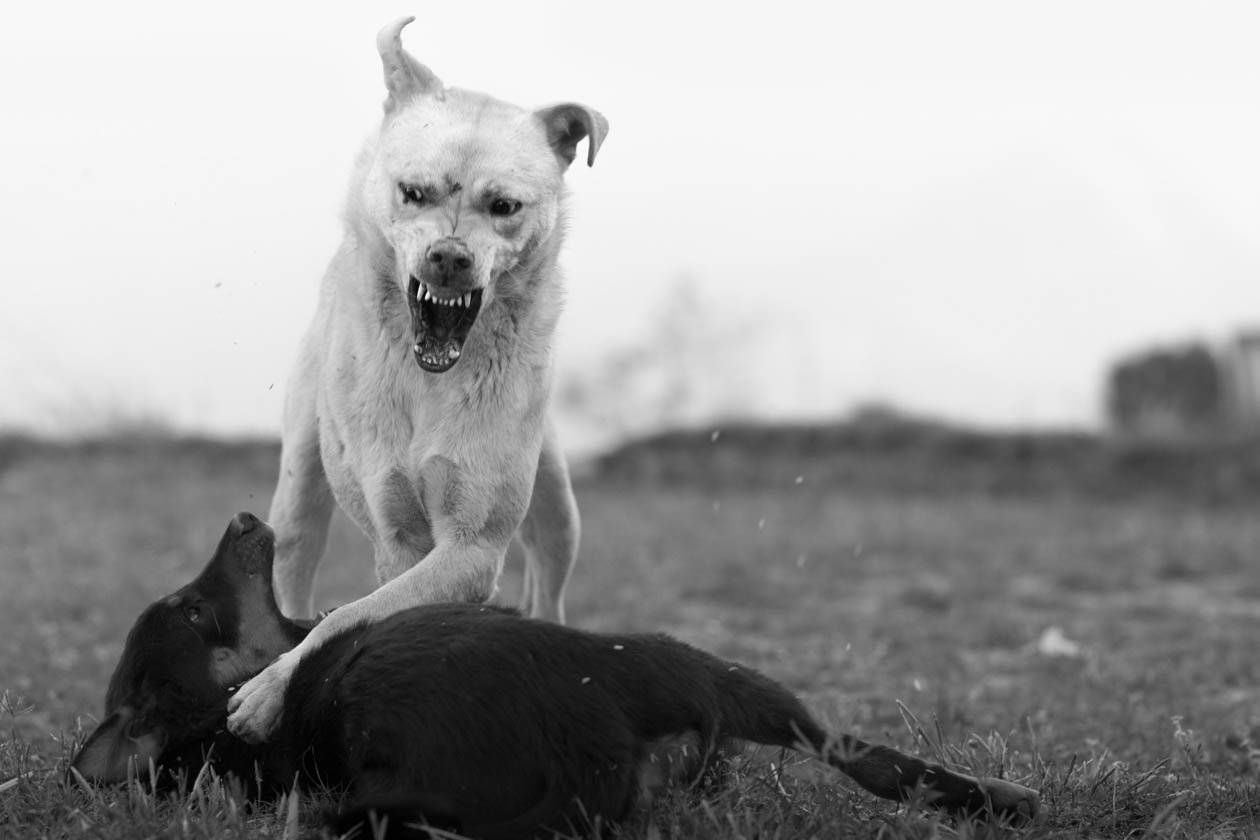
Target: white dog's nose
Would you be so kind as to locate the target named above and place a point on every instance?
(448, 262)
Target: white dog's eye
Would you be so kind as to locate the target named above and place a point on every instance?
(410, 194)
(504, 207)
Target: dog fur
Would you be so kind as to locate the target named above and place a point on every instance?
(463, 717)
(419, 402)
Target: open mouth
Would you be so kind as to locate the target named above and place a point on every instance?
(440, 325)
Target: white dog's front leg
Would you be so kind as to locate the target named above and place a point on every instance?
(303, 501)
(450, 573)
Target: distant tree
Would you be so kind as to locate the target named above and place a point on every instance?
(1166, 392)
(673, 375)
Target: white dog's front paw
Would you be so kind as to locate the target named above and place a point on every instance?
(254, 711)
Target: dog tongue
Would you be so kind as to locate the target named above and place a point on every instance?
(441, 322)
(437, 351)
(440, 329)
(436, 344)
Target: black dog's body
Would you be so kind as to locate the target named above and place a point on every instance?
(463, 716)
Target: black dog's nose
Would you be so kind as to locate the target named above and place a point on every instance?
(447, 261)
(244, 522)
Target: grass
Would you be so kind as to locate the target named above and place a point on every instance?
(1100, 649)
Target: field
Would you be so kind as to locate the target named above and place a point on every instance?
(1101, 647)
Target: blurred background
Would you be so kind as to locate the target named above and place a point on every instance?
(1004, 216)
(911, 352)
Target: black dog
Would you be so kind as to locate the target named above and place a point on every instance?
(465, 717)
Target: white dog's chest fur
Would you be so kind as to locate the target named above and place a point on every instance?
(358, 472)
(382, 466)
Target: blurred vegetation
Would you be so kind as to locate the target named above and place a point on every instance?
(876, 448)
(205, 455)
(880, 448)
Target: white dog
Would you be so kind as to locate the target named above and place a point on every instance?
(420, 398)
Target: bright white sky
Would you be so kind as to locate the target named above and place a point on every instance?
(966, 209)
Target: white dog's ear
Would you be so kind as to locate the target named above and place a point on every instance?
(405, 78)
(568, 123)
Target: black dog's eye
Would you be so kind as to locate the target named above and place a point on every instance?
(410, 194)
(504, 207)
(192, 613)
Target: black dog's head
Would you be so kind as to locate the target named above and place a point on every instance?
(185, 655)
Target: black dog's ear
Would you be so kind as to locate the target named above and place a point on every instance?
(104, 757)
(405, 78)
(568, 123)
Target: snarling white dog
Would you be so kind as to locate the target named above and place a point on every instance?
(420, 398)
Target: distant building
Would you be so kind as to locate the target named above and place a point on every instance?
(1167, 392)
(1188, 390)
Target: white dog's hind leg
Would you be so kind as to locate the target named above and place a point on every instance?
(549, 535)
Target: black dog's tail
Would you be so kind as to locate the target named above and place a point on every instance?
(742, 703)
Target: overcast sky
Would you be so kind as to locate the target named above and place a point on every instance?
(966, 209)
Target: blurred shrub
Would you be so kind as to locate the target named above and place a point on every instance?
(203, 456)
(893, 452)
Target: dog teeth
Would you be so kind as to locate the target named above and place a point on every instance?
(464, 301)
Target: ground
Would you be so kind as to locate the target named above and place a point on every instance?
(1100, 649)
